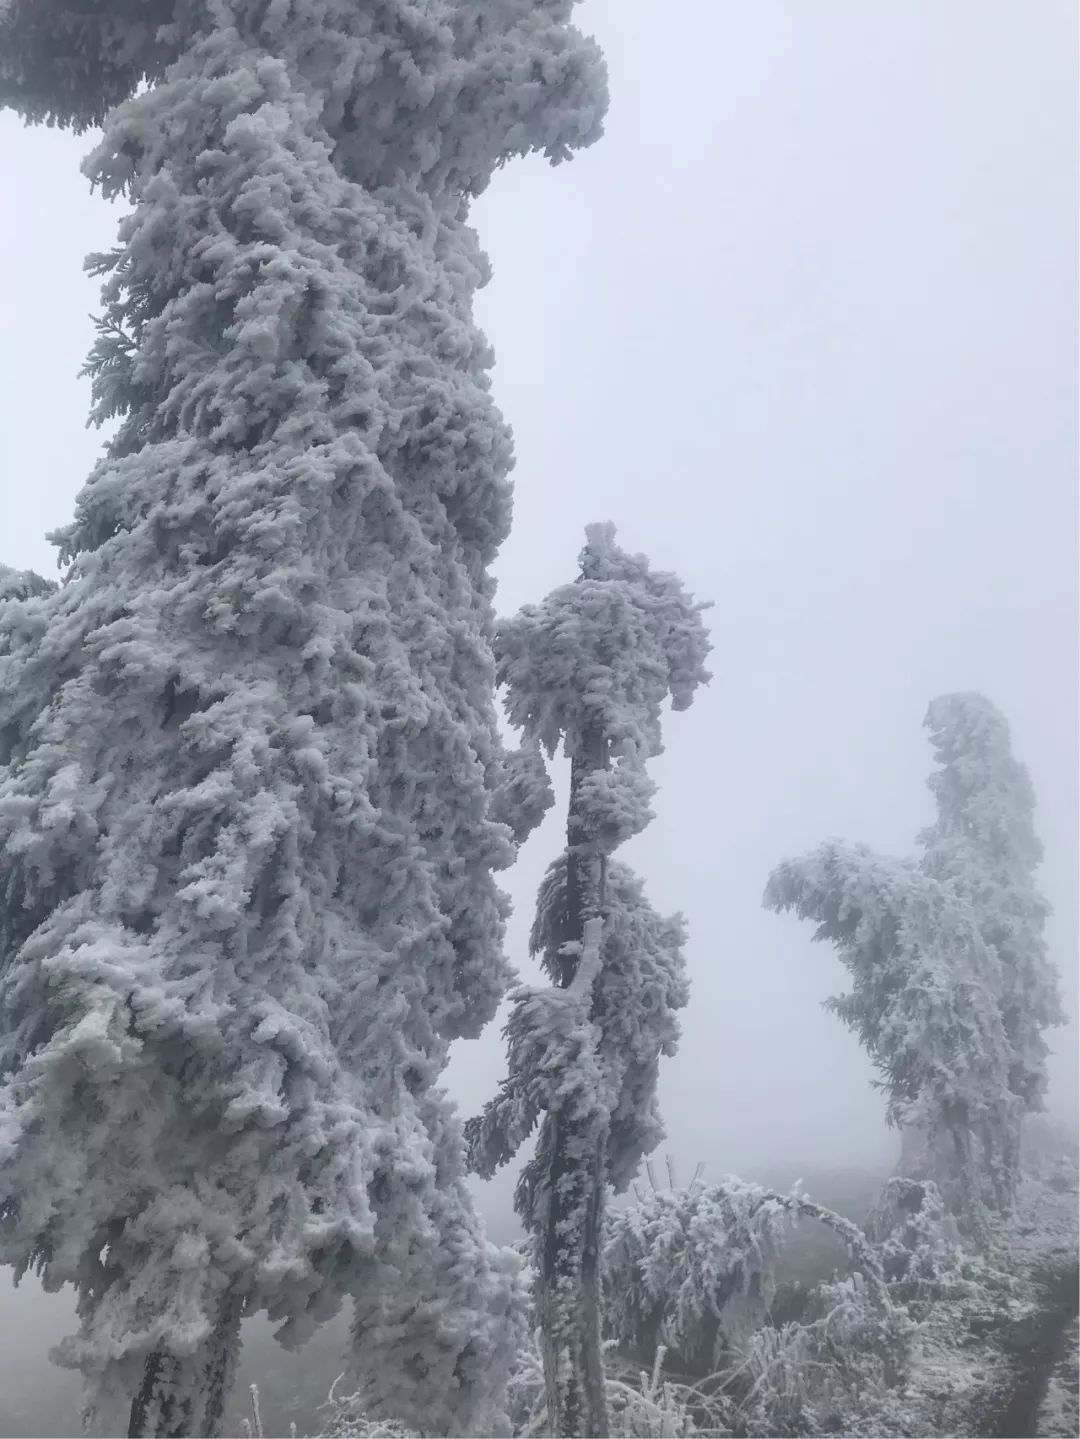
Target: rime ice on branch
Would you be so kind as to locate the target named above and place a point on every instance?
(590, 668)
(250, 769)
(694, 1269)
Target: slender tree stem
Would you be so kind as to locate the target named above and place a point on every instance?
(571, 1322)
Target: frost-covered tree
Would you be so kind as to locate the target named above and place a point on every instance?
(590, 668)
(923, 1002)
(984, 847)
(250, 769)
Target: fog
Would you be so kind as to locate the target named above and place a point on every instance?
(804, 325)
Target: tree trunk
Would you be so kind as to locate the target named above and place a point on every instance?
(592, 1304)
(967, 1190)
(184, 1395)
(570, 1283)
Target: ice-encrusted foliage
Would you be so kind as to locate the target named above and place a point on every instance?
(630, 1023)
(603, 654)
(440, 91)
(692, 1269)
(250, 751)
(640, 985)
(983, 844)
(583, 1063)
(523, 793)
(918, 1241)
(922, 1002)
(22, 584)
(590, 668)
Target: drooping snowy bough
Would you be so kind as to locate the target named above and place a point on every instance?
(249, 765)
(694, 1269)
(590, 667)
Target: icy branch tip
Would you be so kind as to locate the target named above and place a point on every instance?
(600, 536)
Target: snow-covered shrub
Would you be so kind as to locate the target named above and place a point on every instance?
(642, 1403)
(918, 1241)
(346, 1419)
(694, 1268)
(776, 1379)
(797, 1378)
(691, 1269)
(646, 1405)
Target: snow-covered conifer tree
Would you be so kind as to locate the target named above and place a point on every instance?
(250, 763)
(590, 668)
(983, 845)
(923, 1001)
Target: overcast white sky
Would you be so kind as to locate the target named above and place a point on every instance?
(804, 325)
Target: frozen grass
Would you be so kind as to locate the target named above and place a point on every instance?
(645, 1405)
(859, 1367)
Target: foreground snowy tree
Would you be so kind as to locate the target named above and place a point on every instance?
(590, 668)
(250, 774)
(923, 1003)
(984, 847)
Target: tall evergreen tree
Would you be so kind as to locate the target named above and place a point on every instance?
(984, 846)
(590, 668)
(250, 772)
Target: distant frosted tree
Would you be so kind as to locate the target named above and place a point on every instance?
(250, 776)
(923, 1002)
(983, 845)
(590, 668)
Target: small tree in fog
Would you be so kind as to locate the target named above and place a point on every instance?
(590, 668)
(984, 847)
(250, 754)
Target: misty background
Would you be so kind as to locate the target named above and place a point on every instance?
(804, 324)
